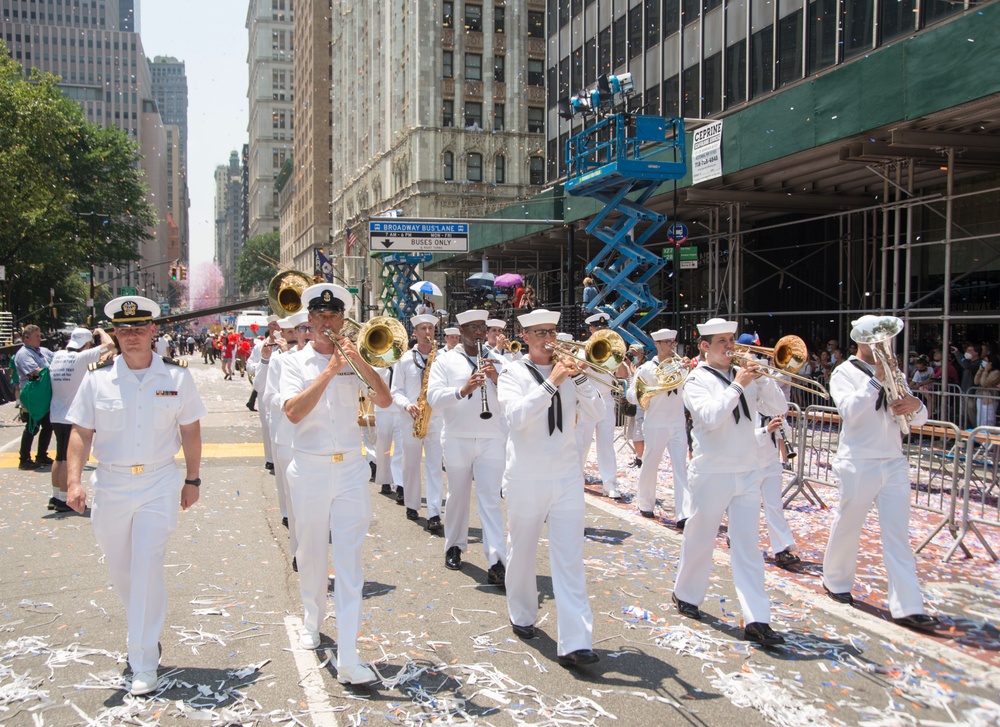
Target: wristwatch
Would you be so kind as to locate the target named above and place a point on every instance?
(196, 482)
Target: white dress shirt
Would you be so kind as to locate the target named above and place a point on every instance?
(666, 411)
(407, 379)
(449, 374)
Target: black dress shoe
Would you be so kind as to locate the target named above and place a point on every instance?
(386, 489)
(845, 597)
(786, 559)
(919, 622)
(497, 575)
(251, 407)
(399, 496)
(43, 461)
(453, 558)
(647, 513)
(580, 657)
(269, 466)
(412, 514)
(763, 634)
(295, 564)
(61, 506)
(284, 521)
(523, 632)
(27, 465)
(52, 503)
(686, 609)
(434, 524)
(371, 466)
(680, 524)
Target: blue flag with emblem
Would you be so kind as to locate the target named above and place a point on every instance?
(324, 266)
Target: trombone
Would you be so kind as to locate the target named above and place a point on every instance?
(788, 357)
(603, 352)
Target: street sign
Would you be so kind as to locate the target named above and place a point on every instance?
(688, 256)
(401, 236)
(677, 233)
(352, 291)
(164, 309)
(126, 290)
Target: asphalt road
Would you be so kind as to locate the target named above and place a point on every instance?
(439, 639)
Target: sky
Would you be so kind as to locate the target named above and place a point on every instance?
(210, 36)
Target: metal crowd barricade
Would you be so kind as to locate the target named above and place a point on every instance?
(817, 441)
(980, 487)
(934, 473)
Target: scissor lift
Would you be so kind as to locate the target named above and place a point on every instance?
(613, 162)
(399, 272)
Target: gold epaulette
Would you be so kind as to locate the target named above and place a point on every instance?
(102, 365)
(174, 362)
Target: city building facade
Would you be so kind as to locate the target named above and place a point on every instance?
(170, 92)
(270, 91)
(229, 224)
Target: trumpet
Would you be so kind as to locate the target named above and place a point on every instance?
(485, 413)
(788, 357)
(603, 352)
(511, 347)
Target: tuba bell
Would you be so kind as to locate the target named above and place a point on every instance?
(284, 292)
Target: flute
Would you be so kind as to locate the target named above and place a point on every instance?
(485, 413)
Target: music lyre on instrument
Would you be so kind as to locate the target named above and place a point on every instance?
(485, 413)
(788, 357)
(604, 352)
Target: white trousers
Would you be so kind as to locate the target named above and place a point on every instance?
(265, 431)
(886, 482)
(484, 459)
(388, 461)
(711, 496)
(607, 465)
(333, 505)
(283, 458)
(674, 440)
(779, 532)
(430, 448)
(529, 504)
(986, 412)
(280, 481)
(133, 517)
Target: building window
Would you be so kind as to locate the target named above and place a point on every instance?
(473, 115)
(499, 74)
(821, 45)
(652, 22)
(536, 24)
(537, 170)
(536, 120)
(448, 16)
(635, 32)
(621, 41)
(499, 19)
(473, 66)
(474, 167)
(898, 18)
(448, 64)
(856, 22)
(474, 18)
(536, 72)
(447, 112)
(501, 169)
(790, 48)
(449, 166)
(498, 114)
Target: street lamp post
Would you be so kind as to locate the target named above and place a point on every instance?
(93, 218)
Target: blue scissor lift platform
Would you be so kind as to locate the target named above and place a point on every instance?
(399, 272)
(612, 162)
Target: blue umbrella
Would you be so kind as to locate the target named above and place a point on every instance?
(425, 287)
(481, 280)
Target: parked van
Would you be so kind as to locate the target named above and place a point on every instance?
(247, 318)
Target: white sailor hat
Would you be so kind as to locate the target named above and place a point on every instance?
(326, 296)
(716, 325)
(496, 323)
(664, 334)
(539, 317)
(131, 310)
(451, 331)
(272, 319)
(597, 319)
(423, 318)
(79, 338)
(297, 319)
(286, 323)
(564, 336)
(471, 316)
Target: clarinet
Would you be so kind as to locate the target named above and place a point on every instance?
(789, 452)
(485, 413)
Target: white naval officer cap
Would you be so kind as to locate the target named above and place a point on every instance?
(716, 325)
(79, 338)
(423, 318)
(127, 311)
(326, 296)
(451, 331)
(496, 323)
(564, 336)
(597, 319)
(664, 334)
(474, 315)
(539, 317)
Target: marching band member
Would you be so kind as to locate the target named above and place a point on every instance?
(451, 338)
(328, 477)
(722, 475)
(473, 446)
(541, 397)
(665, 428)
(872, 467)
(137, 410)
(388, 440)
(253, 370)
(297, 334)
(604, 427)
(407, 386)
(634, 425)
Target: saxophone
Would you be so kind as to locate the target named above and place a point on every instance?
(423, 419)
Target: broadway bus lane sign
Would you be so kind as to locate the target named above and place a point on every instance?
(401, 236)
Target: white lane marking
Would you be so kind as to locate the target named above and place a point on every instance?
(311, 678)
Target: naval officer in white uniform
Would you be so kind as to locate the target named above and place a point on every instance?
(136, 410)
(542, 398)
(723, 475)
(872, 468)
(473, 446)
(664, 427)
(328, 476)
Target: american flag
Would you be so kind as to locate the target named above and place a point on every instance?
(352, 240)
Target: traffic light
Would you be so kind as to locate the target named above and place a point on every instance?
(184, 272)
(173, 272)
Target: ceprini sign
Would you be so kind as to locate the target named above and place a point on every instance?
(400, 236)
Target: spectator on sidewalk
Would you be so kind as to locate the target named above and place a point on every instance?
(32, 357)
(988, 379)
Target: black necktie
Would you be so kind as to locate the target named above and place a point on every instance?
(743, 401)
(555, 405)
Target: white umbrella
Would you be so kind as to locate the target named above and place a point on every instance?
(425, 287)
